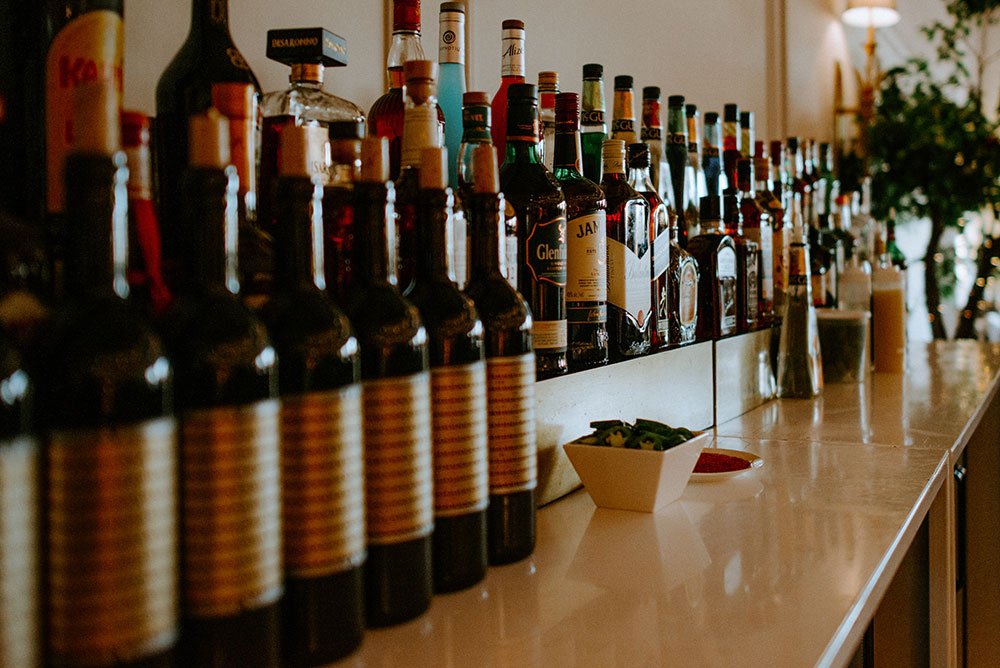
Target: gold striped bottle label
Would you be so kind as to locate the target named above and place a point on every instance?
(322, 464)
(398, 476)
(19, 553)
(112, 543)
(512, 450)
(231, 509)
(458, 407)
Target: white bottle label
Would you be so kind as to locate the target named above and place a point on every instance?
(19, 553)
(629, 277)
(513, 457)
(460, 248)
(451, 42)
(420, 130)
(458, 408)
(399, 483)
(661, 250)
(688, 295)
(510, 270)
(550, 335)
(322, 467)
(587, 265)
(512, 53)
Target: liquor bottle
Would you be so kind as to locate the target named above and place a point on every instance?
(895, 255)
(888, 316)
(593, 128)
(207, 57)
(226, 380)
(145, 271)
(731, 144)
(695, 186)
(458, 390)
(623, 116)
(510, 372)
(747, 138)
(677, 159)
(800, 367)
(780, 182)
(747, 265)
(711, 156)
(420, 132)
(537, 200)
(652, 135)
(780, 235)
(757, 228)
(661, 218)
(451, 59)
(511, 72)
(715, 252)
(19, 504)
(682, 281)
(586, 244)
(548, 86)
(104, 395)
(322, 459)
(308, 52)
(863, 226)
(396, 389)
(338, 209)
(630, 306)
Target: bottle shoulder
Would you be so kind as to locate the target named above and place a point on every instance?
(525, 182)
(195, 67)
(582, 195)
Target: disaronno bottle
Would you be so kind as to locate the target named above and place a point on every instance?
(230, 459)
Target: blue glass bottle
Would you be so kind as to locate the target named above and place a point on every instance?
(451, 56)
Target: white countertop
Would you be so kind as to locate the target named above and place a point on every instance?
(782, 566)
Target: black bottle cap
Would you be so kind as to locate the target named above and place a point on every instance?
(731, 113)
(638, 155)
(711, 117)
(593, 71)
(307, 45)
(746, 119)
(623, 82)
(690, 110)
(710, 208)
(651, 93)
(453, 7)
(522, 92)
(792, 144)
(675, 101)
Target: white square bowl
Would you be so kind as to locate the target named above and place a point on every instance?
(630, 479)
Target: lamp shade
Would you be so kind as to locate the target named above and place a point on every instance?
(877, 13)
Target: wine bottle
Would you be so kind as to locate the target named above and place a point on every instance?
(338, 209)
(458, 390)
(396, 388)
(207, 57)
(510, 370)
(537, 199)
(322, 458)
(104, 397)
(586, 244)
(511, 72)
(451, 58)
(593, 128)
(226, 383)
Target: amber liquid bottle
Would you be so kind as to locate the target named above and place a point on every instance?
(396, 388)
(586, 244)
(536, 197)
(623, 117)
(226, 383)
(715, 252)
(105, 398)
(322, 458)
(510, 370)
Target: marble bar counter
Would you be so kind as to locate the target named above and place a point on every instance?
(782, 566)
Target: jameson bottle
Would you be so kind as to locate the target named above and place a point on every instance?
(715, 252)
(458, 389)
(623, 119)
(510, 372)
(731, 144)
(396, 391)
(593, 128)
(451, 58)
(677, 159)
(711, 157)
(747, 265)
(661, 219)
(586, 244)
(322, 458)
(652, 136)
(694, 180)
(230, 459)
(630, 304)
(207, 57)
(104, 396)
(757, 228)
(537, 200)
(511, 72)
(548, 86)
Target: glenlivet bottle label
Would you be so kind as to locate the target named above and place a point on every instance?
(461, 479)
(513, 457)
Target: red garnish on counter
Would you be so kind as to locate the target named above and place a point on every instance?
(711, 462)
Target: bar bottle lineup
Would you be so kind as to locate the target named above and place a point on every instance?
(268, 362)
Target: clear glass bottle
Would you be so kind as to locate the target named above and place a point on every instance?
(694, 180)
(451, 59)
(548, 87)
(593, 127)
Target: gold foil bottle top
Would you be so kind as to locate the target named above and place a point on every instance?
(484, 168)
(613, 148)
(374, 160)
(235, 100)
(433, 168)
(96, 119)
(208, 140)
(475, 98)
(303, 150)
(548, 82)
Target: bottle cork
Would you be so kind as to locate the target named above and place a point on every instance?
(208, 140)
(96, 119)
(417, 70)
(303, 150)
(484, 167)
(433, 168)
(374, 160)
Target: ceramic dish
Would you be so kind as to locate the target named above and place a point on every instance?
(755, 463)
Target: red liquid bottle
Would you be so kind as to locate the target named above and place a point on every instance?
(511, 72)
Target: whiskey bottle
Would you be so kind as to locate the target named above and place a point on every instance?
(451, 59)
(652, 135)
(711, 157)
(537, 199)
(695, 186)
(593, 128)
(732, 149)
(757, 228)
(715, 252)
(511, 72)
(630, 305)
(510, 371)
(747, 265)
(677, 159)
(586, 244)
(623, 118)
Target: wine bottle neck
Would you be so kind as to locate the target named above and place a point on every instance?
(567, 151)
(434, 235)
(486, 229)
(212, 228)
(374, 212)
(208, 16)
(298, 260)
